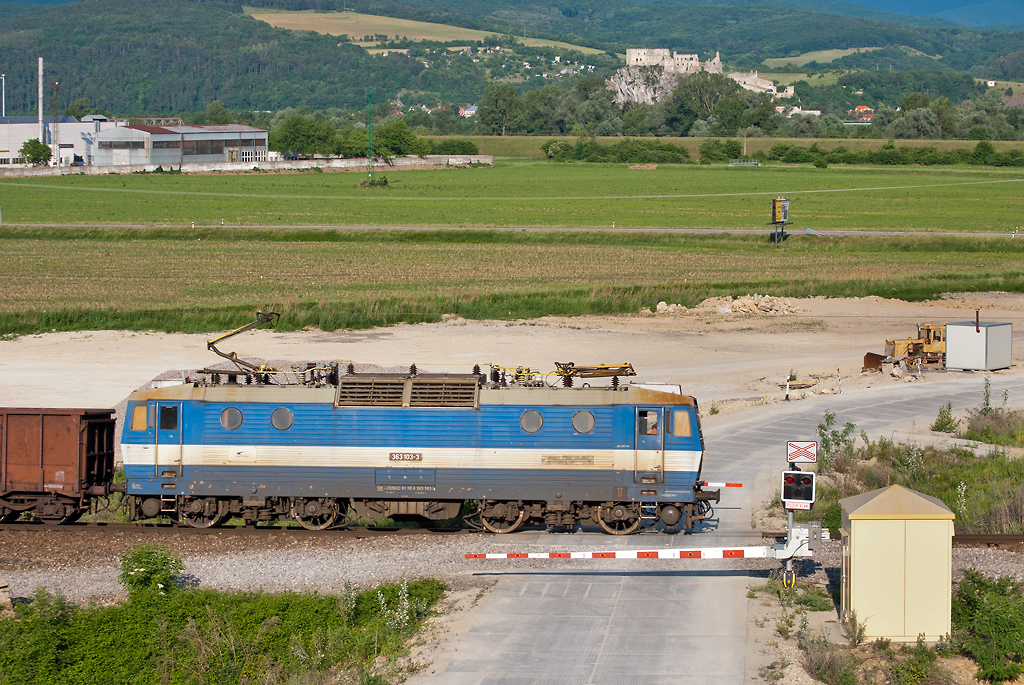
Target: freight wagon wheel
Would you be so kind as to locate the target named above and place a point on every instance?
(61, 520)
(502, 517)
(315, 515)
(619, 519)
(57, 514)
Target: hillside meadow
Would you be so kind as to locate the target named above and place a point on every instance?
(522, 193)
(357, 26)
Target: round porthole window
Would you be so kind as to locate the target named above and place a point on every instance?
(231, 418)
(583, 422)
(281, 418)
(531, 421)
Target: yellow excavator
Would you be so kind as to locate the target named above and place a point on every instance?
(929, 346)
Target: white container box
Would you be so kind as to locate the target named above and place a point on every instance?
(985, 346)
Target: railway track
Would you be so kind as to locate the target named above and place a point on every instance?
(170, 528)
(1008, 542)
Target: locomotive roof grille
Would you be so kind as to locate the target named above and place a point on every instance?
(438, 391)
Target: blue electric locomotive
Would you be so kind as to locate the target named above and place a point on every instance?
(395, 445)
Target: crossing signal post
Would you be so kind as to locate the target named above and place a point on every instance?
(798, 492)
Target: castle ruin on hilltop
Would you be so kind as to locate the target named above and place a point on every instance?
(651, 74)
(671, 61)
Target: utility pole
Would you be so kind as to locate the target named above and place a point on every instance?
(369, 141)
(56, 122)
(3, 79)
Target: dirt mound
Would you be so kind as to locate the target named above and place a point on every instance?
(747, 304)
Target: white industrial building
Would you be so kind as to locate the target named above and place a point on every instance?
(75, 138)
(177, 145)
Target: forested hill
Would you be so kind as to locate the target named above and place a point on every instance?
(745, 35)
(163, 56)
(180, 55)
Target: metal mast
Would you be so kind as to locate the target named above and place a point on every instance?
(369, 141)
(56, 120)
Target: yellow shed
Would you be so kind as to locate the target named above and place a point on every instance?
(897, 563)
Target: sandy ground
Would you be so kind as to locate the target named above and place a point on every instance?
(717, 357)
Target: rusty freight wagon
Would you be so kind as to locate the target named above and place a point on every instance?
(53, 462)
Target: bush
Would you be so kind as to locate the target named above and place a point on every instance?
(988, 624)
(919, 665)
(150, 567)
(834, 442)
(944, 422)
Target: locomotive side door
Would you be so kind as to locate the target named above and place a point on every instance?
(649, 464)
(167, 445)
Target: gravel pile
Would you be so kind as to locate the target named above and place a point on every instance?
(83, 565)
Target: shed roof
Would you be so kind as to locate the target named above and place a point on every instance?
(211, 128)
(48, 120)
(980, 324)
(895, 502)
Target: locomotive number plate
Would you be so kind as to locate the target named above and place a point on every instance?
(405, 456)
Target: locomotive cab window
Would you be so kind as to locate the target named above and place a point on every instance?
(681, 426)
(647, 422)
(140, 417)
(231, 418)
(168, 418)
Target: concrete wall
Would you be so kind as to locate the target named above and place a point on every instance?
(357, 164)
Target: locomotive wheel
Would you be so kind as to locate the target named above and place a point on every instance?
(503, 517)
(618, 519)
(198, 513)
(199, 520)
(313, 515)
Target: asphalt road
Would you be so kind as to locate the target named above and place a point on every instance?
(674, 622)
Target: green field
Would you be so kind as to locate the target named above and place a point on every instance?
(819, 56)
(213, 279)
(828, 78)
(537, 194)
(166, 275)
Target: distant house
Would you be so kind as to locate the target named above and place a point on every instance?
(176, 145)
(862, 113)
(788, 112)
(467, 111)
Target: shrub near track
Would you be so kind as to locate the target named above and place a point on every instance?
(167, 632)
(536, 194)
(213, 279)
